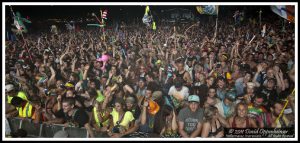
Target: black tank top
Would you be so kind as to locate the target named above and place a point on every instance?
(219, 129)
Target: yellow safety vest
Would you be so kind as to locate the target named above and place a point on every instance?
(26, 111)
(105, 123)
(21, 94)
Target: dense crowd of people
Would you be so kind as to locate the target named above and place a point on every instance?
(181, 80)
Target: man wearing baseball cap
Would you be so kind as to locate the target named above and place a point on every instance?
(226, 106)
(191, 118)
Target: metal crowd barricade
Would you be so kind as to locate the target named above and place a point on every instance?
(44, 130)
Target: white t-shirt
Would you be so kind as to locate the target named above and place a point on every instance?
(184, 92)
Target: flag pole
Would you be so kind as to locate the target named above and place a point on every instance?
(26, 48)
(260, 17)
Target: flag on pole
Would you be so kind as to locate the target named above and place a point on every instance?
(285, 11)
(104, 15)
(208, 9)
(263, 32)
(147, 10)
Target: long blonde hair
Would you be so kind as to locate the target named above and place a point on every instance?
(209, 112)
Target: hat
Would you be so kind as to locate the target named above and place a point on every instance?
(194, 98)
(69, 84)
(231, 96)
(250, 84)
(156, 95)
(61, 134)
(9, 87)
(158, 62)
(153, 107)
(142, 79)
(130, 100)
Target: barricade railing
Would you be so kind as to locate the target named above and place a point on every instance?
(43, 130)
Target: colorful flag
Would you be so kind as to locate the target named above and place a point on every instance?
(208, 9)
(285, 11)
(104, 15)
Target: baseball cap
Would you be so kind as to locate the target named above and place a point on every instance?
(130, 100)
(194, 98)
(9, 87)
(158, 62)
(231, 96)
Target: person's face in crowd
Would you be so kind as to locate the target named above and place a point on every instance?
(258, 102)
(204, 54)
(270, 58)
(70, 93)
(210, 81)
(264, 50)
(242, 111)
(148, 94)
(118, 107)
(113, 70)
(250, 90)
(141, 84)
(67, 107)
(103, 80)
(189, 63)
(277, 109)
(227, 101)
(193, 106)
(247, 78)
(270, 84)
(72, 78)
(148, 78)
(223, 49)
(261, 56)
(22, 72)
(59, 84)
(98, 65)
(236, 67)
(270, 73)
(202, 77)
(180, 66)
(51, 58)
(11, 93)
(250, 57)
(142, 69)
(92, 85)
(271, 51)
(206, 60)
(212, 92)
(129, 105)
(221, 84)
(42, 68)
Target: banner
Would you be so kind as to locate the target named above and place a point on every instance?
(285, 11)
(208, 9)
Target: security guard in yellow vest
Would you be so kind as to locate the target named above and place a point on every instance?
(11, 92)
(24, 109)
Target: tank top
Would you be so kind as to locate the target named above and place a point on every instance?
(219, 129)
(180, 75)
(234, 124)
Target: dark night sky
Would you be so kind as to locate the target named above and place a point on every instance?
(42, 11)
